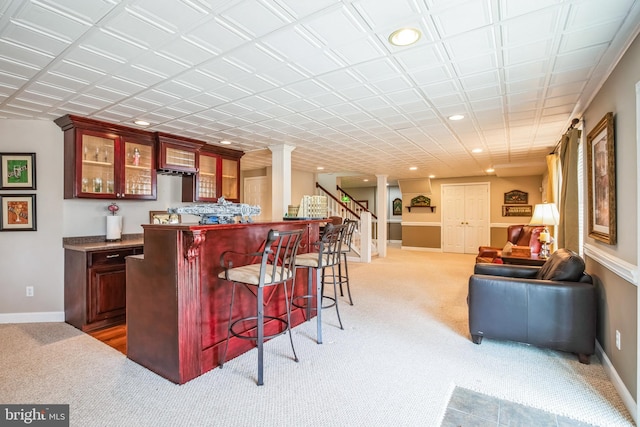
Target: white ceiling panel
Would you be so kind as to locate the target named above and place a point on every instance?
(321, 75)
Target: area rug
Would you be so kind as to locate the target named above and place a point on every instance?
(470, 408)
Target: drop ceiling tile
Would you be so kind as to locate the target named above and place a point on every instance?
(185, 52)
(254, 84)
(471, 44)
(139, 28)
(358, 51)
(45, 20)
(216, 36)
(63, 81)
(17, 70)
(592, 13)
(17, 53)
(77, 71)
(452, 21)
(86, 10)
(393, 84)
(476, 64)
(440, 89)
(526, 71)
(323, 27)
(378, 69)
(379, 13)
(431, 75)
(579, 58)
(111, 45)
(537, 51)
(142, 104)
(22, 35)
(158, 96)
(531, 27)
(177, 15)
(255, 17)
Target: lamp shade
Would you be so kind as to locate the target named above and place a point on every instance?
(545, 214)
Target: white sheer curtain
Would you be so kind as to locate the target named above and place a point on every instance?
(569, 229)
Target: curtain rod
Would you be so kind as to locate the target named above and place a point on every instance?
(573, 124)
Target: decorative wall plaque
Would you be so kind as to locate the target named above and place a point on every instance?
(516, 197)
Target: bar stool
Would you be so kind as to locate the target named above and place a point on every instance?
(328, 255)
(276, 266)
(345, 248)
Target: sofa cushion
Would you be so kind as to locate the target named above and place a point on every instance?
(562, 265)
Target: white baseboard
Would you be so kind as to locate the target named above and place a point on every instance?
(43, 317)
(615, 379)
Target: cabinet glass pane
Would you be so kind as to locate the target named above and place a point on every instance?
(179, 157)
(137, 169)
(97, 165)
(229, 179)
(207, 177)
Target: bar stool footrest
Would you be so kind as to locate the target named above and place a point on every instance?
(244, 336)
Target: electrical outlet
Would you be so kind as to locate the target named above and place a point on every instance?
(618, 345)
(29, 291)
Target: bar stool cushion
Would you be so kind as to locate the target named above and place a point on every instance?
(251, 274)
(311, 260)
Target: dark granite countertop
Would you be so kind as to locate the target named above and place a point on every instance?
(97, 243)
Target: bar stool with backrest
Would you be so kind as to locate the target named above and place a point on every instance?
(345, 248)
(274, 265)
(327, 256)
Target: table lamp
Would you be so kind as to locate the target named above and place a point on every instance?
(545, 214)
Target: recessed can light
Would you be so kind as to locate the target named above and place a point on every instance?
(456, 117)
(320, 168)
(141, 123)
(477, 150)
(225, 142)
(413, 168)
(404, 36)
(490, 170)
(432, 176)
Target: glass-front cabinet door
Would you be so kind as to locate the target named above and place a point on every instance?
(138, 171)
(207, 177)
(230, 179)
(97, 165)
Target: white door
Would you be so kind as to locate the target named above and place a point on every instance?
(466, 217)
(453, 213)
(256, 192)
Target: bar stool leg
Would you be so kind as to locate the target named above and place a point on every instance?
(288, 302)
(260, 329)
(335, 294)
(319, 303)
(346, 275)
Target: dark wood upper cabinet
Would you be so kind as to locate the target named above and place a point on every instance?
(218, 175)
(107, 161)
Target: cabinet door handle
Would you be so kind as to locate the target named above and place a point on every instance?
(113, 256)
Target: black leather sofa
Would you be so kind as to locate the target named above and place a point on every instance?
(551, 306)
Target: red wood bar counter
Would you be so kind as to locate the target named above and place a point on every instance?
(178, 308)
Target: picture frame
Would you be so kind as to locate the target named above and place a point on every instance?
(601, 173)
(164, 217)
(516, 197)
(18, 171)
(18, 212)
(397, 206)
(517, 210)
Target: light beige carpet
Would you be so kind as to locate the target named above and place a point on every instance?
(404, 349)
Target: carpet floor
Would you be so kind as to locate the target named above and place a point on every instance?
(404, 350)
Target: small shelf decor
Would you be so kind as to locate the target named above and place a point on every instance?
(421, 202)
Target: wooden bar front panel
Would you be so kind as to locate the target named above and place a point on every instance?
(178, 309)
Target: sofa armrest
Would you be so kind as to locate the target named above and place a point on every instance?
(488, 252)
(507, 270)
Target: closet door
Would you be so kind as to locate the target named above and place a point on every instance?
(465, 214)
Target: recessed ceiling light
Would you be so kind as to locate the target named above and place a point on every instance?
(404, 36)
(225, 142)
(456, 117)
(490, 170)
(413, 168)
(365, 180)
(141, 123)
(477, 150)
(320, 168)
(432, 176)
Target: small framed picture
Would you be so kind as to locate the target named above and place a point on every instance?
(18, 212)
(164, 217)
(18, 171)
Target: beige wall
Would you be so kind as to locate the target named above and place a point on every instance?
(617, 303)
(428, 237)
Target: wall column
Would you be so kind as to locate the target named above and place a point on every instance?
(382, 207)
(280, 179)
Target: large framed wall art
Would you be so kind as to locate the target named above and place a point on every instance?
(601, 170)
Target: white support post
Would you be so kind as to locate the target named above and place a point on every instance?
(280, 179)
(381, 213)
(365, 237)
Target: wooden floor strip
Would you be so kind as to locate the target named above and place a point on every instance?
(113, 336)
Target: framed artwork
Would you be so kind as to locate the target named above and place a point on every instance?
(164, 217)
(601, 191)
(397, 206)
(517, 210)
(516, 197)
(18, 212)
(18, 171)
